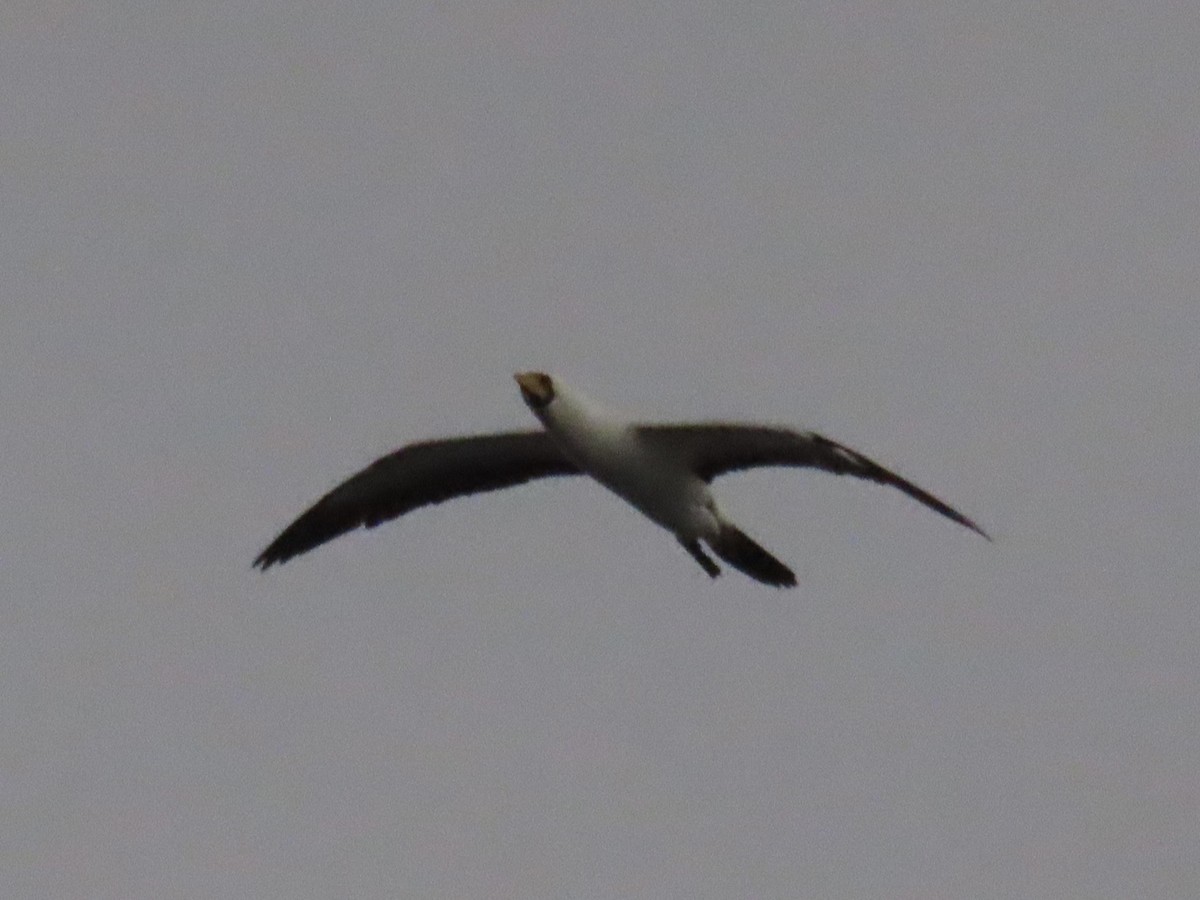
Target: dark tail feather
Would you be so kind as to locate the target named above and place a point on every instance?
(743, 554)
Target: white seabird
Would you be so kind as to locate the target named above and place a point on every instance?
(663, 470)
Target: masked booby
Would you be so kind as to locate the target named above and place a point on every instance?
(663, 470)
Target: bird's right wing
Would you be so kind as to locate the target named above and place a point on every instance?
(418, 475)
(714, 448)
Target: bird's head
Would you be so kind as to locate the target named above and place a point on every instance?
(537, 388)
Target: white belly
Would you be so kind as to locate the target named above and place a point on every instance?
(671, 496)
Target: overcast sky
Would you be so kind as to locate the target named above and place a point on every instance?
(249, 247)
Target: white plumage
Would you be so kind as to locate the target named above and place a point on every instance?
(664, 471)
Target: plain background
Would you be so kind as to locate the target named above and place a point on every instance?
(248, 247)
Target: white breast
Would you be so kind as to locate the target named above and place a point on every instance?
(609, 450)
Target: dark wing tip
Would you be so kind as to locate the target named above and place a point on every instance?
(841, 460)
(714, 448)
(332, 515)
(954, 515)
(418, 475)
(266, 559)
(278, 552)
(979, 531)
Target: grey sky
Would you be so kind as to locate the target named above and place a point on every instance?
(249, 247)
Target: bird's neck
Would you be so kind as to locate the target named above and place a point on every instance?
(573, 413)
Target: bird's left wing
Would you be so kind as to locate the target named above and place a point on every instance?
(714, 448)
(418, 475)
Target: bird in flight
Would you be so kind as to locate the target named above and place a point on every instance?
(662, 470)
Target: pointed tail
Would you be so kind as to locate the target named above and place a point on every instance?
(737, 549)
